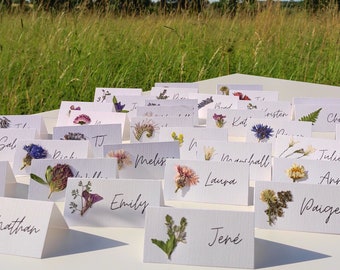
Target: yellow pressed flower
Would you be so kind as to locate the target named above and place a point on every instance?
(296, 172)
(268, 195)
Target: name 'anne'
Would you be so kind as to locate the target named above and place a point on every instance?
(328, 179)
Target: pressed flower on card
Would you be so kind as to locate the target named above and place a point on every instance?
(290, 145)
(224, 90)
(185, 177)
(163, 95)
(4, 122)
(123, 158)
(73, 108)
(176, 234)
(75, 136)
(118, 106)
(241, 96)
(297, 172)
(87, 199)
(205, 102)
(251, 106)
(311, 117)
(55, 177)
(179, 137)
(219, 120)
(276, 202)
(262, 132)
(302, 152)
(146, 126)
(208, 152)
(82, 119)
(34, 151)
(105, 93)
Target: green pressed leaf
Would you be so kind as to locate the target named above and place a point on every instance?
(312, 117)
(160, 244)
(37, 179)
(114, 100)
(48, 174)
(171, 244)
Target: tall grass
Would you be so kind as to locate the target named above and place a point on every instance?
(46, 58)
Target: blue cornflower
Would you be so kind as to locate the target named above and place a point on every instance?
(262, 132)
(119, 107)
(34, 151)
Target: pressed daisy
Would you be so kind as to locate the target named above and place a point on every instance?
(185, 177)
(296, 172)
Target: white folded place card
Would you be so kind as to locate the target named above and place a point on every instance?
(305, 171)
(255, 95)
(49, 177)
(177, 84)
(67, 107)
(172, 92)
(110, 202)
(106, 94)
(28, 150)
(97, 135)
(266, 129)
(236, 121)
(142, 160)
(26, 226)
(34, 121)
(187, 138)
(206, 182)
(212, 238)
(224, 88)
(10, 138)
(256, 155)
(7, 179)
(271, 109)
(128, 104)
(296, 207)
(285, 146)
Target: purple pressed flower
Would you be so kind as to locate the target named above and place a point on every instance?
(34, 151)
(82, 119)
(89, 199)
(219, 119)
(119, 107)
(74, 108)
(262, 132)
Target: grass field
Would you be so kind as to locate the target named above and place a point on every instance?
(47, 58)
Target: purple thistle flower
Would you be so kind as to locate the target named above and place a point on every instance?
(262, 132)
(89, 199)
(34, 151)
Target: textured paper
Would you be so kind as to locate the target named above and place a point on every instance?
(106, 94)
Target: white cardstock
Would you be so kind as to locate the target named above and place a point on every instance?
(177, 84)
(285, 146)
(26, 227)
(7, 179)
(10, 141)
(111, 202)
(106, 94)
(172, 92)
(187, 138)
(275, 128)
(55, 149)
(209, 182)
(236, 121)
(81, 168)
(142, 160)
(129, 104)
(224, 88)
(256, 155)
(308, 208)
(212, 238)
(25, 121)
(97, 135)
(305, 171)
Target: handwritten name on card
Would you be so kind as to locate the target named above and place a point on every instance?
(49, 178)
(309, 208)
(209, 182)
(179, 111)
(142, 160)
(206, 237)
(110, 202)
(97, 135)
(172, 92)
(256, 155)
(25, 225)
(106, 94)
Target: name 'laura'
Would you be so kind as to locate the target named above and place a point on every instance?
(156, 161)
(214, 180)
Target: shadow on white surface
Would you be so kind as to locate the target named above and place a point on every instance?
(270, 254)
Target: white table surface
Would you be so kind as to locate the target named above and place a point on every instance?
(122, 248)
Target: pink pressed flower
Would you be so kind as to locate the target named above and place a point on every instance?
(82, 119)
(240, 96)
(74, 108)
(185, 177)
(123, 158)
(90, 199)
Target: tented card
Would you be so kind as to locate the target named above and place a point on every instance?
(305, 171)
(251, 95)
(34, 121)
(97, 135)
(9, 141)
(7, 179)
(256, 155)
(80, 107)
(212, 238)
(208, 101)
(187, 138)
(236, 121)
(314, 100)
(224, 88)
(177, 84)
(266, 130)
(272, 109)
(128, 104)
(49, 177)
(27, 227)
(323, 116)
(111, 202)
(106, 94)
(285, 146)
(27, 150)
(146, 129)
(206, 181)
(172, 92)
(308, 208)
(142, 160)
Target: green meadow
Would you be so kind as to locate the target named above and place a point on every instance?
(46, 58)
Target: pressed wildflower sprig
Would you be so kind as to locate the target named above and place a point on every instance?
(87, 199)
(4, 122)
(185, 177)
(208, 152)
(276, 203)
(34, 151)
(302, 152)
(219, 120)
(312, 117)
(297, 172)
(241, 96)
(290, 145)
(146, 126)
(175, 233)
(179, 137)
(55, 177)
